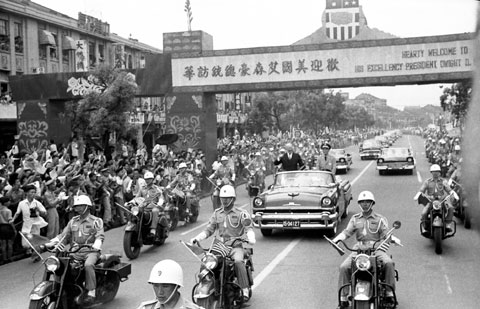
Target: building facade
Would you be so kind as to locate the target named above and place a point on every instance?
(36, 40)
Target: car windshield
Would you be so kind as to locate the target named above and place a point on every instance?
(370, 144)
(396, 152)
(300, 179)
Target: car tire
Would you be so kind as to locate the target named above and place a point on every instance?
(266, 232)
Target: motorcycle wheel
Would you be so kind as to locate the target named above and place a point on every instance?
(208, 303)
(173, 221)
(132, 250)
(195, 212)
(437, 237)
(466, 218)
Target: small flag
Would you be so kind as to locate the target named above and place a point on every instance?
(219, 247)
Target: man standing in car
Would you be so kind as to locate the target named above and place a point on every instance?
(325, 161)
(291, 161)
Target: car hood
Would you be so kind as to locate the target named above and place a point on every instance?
(309, 196)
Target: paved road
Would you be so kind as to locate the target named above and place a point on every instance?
(300, 270)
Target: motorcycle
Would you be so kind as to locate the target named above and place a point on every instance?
(176, 208)
(435, 227)
(216, 285)
(62, 285)
(254, 186)
(367, 285)
(137, 231)
(462, 210)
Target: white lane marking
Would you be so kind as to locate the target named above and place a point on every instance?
(449, 287)
(361, 173)
(205, 223)
(270, 267)
(419, 177)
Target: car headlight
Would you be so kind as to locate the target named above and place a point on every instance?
(326, 201)
(52, 264)
(380, 161)
(257, 202)
(409, 159)
(342, 160)
(210, 261)
(135, 210)
(362, 262)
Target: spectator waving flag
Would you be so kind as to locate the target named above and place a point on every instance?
(219, 247)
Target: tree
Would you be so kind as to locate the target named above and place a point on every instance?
(456, 99)
(269, 110)
(106, 111)
(357, 117)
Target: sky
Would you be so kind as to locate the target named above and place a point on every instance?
(254, 23)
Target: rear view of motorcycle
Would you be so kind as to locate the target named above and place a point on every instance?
(367, 286)
(434, 227)
(217, 284)
(137, 231)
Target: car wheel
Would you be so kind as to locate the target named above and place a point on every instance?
(266, 232)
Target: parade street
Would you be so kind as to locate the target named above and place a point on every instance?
(300, 269)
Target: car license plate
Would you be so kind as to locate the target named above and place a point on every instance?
(291, 223)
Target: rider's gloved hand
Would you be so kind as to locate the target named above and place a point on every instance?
(199, 237)
(339, 237)
(250, 237)
(97, 245)
(396, 241)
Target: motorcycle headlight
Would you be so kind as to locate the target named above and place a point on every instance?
(135, 210)
(52, 264)
(210, 261)
(362, 262)
(257, 202)
(436, 205)
(326, 201)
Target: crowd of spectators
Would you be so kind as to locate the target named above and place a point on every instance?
(54, 175)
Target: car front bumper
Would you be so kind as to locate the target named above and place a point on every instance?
(395, 167)
(324, 220)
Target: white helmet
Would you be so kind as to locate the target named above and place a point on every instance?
(166, 271)
(366, 196)
(182, 165)
(457, 147)
(224, 158)
(148, 175)
(82, 200)
(227, 191)
(435, 168)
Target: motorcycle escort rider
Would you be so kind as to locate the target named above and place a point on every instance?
(185, 182)
(166, 277)
(228, 220)
(83, 229)
(224, 170)
(437, 188)
(151, 193)
(325, 160)
(258, 164)
(368, 227)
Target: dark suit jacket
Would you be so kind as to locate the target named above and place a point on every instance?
(295, 163)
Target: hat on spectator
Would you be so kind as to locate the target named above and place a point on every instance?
(4, 199)
(224, 158)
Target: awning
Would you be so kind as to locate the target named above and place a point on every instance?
(46, 38)
(68, 43)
